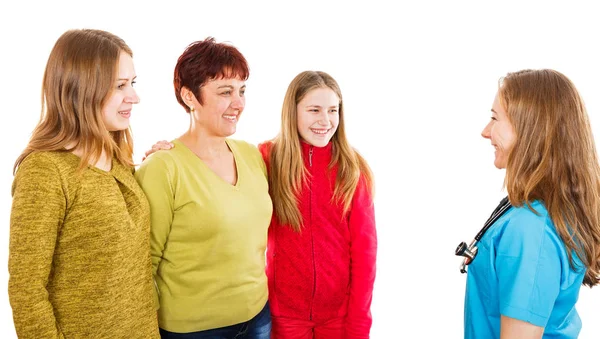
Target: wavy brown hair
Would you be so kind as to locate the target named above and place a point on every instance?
(287, 172)
(79, 78)
(554, 159)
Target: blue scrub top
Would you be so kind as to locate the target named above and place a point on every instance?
(522, 271)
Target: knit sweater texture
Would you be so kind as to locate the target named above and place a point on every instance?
(79, 259)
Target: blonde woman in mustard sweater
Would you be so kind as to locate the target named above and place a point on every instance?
(210, 207)
(79, 258)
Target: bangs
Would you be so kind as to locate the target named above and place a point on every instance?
(229, 68)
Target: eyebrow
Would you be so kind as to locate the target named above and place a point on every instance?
(321, 107)
(493, 111)
(127, 79)
(229, 86)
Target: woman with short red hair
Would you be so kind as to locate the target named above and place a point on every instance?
(210, 207)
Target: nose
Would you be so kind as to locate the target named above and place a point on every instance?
(324, 119)
(238, 102)
(132, 97)
(486, 133)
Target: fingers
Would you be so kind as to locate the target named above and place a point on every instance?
(161, 145)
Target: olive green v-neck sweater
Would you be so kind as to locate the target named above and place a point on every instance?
(79, 258)
(208, 237)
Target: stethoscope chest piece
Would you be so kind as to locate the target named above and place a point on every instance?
(470, 252)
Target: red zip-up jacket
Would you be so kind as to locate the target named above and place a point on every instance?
(328, 269)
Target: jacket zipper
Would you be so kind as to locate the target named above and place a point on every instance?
(312, 239)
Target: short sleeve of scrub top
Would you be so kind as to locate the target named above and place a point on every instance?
(528, 266)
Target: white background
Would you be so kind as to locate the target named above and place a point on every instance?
(418, 82)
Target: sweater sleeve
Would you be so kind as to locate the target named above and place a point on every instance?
(363, 252)
(38, 210)
(156, 181)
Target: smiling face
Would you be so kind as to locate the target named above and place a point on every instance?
(318, 116)
(223, 101)
(117, 109)
(501, 133)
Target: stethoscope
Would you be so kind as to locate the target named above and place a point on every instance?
(469, 252)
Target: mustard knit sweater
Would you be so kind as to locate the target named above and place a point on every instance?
(79, 259)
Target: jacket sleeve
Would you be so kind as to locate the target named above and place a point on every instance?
(363, 252)
(265, 151)
(38, 210)
(156, 181)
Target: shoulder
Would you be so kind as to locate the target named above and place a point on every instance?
(242, 146)
(161, 157)
(169, 159)
(164, 166)
(528, 219)
(525, 228)
(245, 149)
(48, 163)
(248, 154)
(44, 170)
(363, 195)
(163, 162)
(265, 149)
(56, 158)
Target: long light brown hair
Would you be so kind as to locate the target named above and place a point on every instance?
(554, 159)
(287, 172)
(79, 78)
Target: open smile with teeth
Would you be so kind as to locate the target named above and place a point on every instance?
(232, 118)
(125, 113)
(320, 131)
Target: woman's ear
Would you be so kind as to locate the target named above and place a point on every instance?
(187, 96)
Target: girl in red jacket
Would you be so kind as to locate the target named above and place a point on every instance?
(322, 241)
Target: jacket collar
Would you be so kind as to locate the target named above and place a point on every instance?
(319, 154)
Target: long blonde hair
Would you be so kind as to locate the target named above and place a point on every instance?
(554, 159)
(79, 78)
(287, 172)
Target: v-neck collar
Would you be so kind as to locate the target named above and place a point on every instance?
(233, 150)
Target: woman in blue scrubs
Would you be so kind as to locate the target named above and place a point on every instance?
(525, 280)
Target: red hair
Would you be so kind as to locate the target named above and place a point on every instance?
(206, 60)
